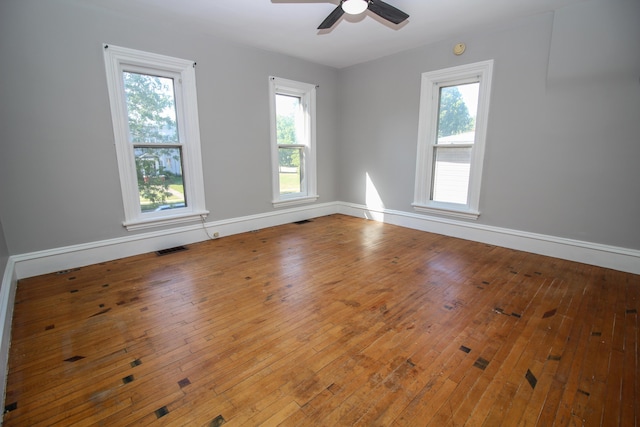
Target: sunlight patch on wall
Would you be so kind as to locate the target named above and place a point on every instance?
(373, 201)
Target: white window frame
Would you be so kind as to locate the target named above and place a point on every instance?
(480, 72)
(307, 93)
(120, 59)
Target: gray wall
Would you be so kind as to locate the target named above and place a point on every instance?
(563, 140)
(4, 252)
(563, 137)
(58, 165)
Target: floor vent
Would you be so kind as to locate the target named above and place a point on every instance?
(304, 221)
(171, 250)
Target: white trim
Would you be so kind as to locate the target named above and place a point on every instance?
(47, 261)
(293, 201)
(51, 260)
(442, 209)
(614, 257)
(7, 299)
(118, 59)
(307, 93)
(431, 82)
(168, 220)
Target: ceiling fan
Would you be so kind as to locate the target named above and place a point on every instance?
(355, 7)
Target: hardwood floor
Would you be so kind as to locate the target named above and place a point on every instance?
(335, 321)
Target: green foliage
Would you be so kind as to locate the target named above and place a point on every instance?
(151, 118)
(152, 183)
(454, 117)
(150, 108)
(286, 134)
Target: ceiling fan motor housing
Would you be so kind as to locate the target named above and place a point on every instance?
(355, 7)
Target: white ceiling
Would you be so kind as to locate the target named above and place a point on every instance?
(289, 26)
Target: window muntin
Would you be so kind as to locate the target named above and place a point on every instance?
(290, 134)
(457, 108)
(153, 134)
(154, 113)
(292, 141)
(454, 106)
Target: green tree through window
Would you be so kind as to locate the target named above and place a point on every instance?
(287, 135)
(152, 120)
(454, 117)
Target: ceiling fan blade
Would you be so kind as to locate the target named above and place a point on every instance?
(332, 18)
(387, 11)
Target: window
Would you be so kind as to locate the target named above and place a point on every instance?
(293, 137)
(454, 106)
(157, 137)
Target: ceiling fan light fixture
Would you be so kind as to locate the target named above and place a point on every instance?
(354, 7)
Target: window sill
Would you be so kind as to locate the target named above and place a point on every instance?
(294, 201)
(141, 224)
(447, 210)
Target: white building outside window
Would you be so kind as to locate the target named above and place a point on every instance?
(454, 108)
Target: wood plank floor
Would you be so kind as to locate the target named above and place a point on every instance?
(334, 321)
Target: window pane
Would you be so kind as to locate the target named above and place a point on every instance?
(151, 108)
(291, 172)
(451, 174)
(289, 120)
(457, 114)
(160, 181)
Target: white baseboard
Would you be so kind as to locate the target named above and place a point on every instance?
(7, 298)
(47, 261)
(622, 259)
